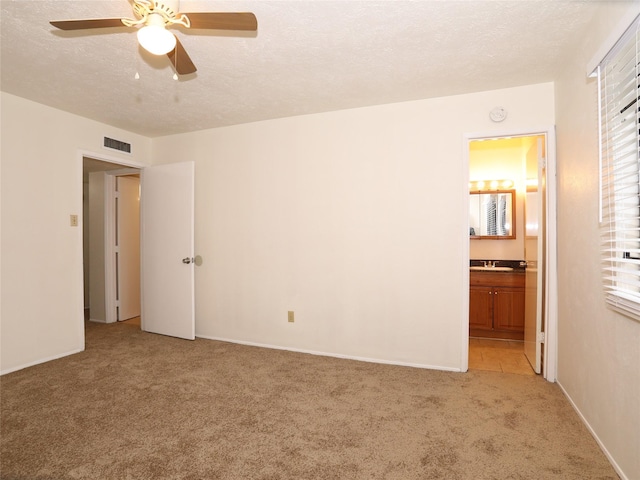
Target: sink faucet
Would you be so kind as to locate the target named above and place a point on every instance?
(489, 263)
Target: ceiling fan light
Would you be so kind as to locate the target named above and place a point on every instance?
(156, 39)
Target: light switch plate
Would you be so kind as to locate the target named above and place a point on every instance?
(74, 220)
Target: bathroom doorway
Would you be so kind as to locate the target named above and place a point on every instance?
(512, 264)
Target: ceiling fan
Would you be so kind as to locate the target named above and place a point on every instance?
(152, 18)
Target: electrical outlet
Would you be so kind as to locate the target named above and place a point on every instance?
(74, 220)
(290, 316)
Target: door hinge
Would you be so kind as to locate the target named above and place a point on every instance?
(540, 337)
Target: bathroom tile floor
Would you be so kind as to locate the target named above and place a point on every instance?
(498, 356)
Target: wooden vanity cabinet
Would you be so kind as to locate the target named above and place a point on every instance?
(480, 307)
(496, 305)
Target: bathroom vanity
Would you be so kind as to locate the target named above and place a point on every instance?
(496, 303)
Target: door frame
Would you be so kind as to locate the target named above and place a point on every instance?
(550, 358)
(109, 268)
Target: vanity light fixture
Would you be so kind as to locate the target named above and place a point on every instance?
(490, 185)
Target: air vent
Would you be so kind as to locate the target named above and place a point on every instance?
(117, 145)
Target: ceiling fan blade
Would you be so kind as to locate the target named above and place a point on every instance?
(84, 24)
(223, 21)
(180, 60)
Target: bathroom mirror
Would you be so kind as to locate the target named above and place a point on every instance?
(492, 215)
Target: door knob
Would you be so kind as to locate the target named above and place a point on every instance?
(186, 260)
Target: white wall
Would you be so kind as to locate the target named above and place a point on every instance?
(355, 220)
(41, 272)
(598, 350)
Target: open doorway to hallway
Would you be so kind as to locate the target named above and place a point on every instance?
(111, 241)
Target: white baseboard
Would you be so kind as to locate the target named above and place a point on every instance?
(334, 355)
(38, 362)
(614, 464)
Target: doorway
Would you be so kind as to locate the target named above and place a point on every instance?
(111, 242)
(166, 236)
(502, 315)
(127, 246)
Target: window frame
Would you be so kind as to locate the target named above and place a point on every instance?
(618, 126)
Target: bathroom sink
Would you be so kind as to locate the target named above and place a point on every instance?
(491, 269)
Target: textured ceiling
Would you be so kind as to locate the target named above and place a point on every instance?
(308, 56)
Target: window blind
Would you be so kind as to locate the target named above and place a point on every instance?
(619, 90)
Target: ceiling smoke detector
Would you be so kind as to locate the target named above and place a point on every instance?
(498, 114)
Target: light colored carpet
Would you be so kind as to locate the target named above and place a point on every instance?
(141, 406)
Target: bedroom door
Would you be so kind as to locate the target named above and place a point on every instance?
(167, 250)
